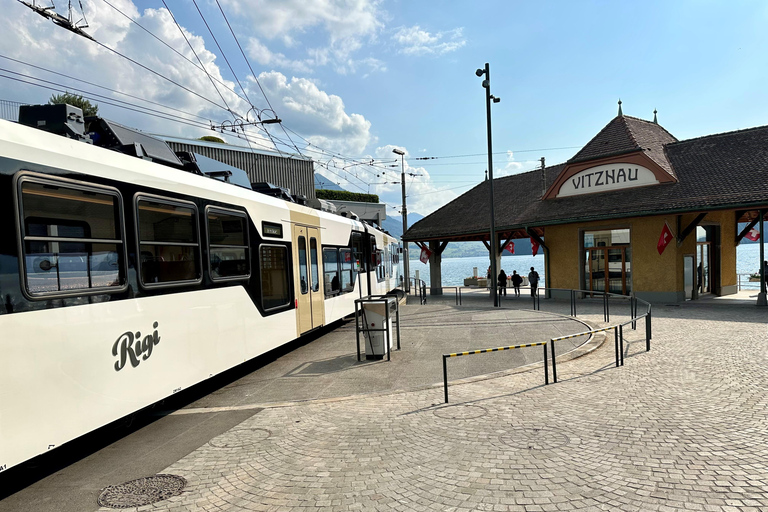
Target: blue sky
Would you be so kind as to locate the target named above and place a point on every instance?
(357, 78)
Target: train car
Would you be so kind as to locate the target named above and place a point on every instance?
(124, 281)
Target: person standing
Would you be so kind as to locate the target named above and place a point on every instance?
(533, 280)
(517, 280)
(502, 283)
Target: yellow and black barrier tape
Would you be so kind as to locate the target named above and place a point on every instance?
(497, 349)
(583, 333)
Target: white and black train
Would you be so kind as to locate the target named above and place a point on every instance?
(124, 281)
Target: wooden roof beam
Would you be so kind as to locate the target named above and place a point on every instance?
(747, 229)
(681, 236)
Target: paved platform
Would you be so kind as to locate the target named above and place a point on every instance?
(682, 427)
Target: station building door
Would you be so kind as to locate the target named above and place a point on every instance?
(707, 259)
(608, 261)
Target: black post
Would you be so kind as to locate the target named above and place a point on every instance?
(554, 365)
(445, 378)
(573, 293)
(621, 343)
(607, 307)
(616, 343)
(397, 319)
(357, 330)
(647, 332)
(459, 296)
(605, 314)
(631, 310)
(650, 325)
(546, 369)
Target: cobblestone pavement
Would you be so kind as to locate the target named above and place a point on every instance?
(682, 427)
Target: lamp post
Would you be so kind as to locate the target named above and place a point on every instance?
(493, 243)
(406, 270)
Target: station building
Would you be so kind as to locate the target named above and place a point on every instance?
(602, 218)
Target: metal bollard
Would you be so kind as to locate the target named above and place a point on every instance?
(554, 365)
(546, 370)
(616, 343)
(621, 343)
(445, 378)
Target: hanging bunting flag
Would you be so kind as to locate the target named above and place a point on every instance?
(664, 239)
(753, 235)
(510, 247)
(425, 254)
(534, 247)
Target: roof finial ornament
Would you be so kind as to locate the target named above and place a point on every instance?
(655, 121)
(620, 114)
(486, 175)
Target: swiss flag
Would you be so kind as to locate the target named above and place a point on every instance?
(664, 239)
(753, 235)
(534, 247)
(425, 254)
(510, 247)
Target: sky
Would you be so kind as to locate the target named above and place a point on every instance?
(353, 79)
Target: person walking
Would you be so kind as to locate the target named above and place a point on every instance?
(517, 280)
(502, 283)
(533, 280)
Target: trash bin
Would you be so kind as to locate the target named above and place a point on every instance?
(378, 316)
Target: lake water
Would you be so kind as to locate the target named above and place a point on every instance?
(456, 269)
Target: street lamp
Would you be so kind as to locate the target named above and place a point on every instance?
(406, 270)
(494, 244)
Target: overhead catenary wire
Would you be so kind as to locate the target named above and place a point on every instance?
(223, 84)
(253, 73)
(64, 90)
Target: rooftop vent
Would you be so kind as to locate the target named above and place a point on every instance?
(60, 119)
(269, 189)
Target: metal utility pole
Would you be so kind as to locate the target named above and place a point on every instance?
(494, 244)
(406, 270)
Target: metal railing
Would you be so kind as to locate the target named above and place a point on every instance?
(419, 289)
(618, 331)
(745, 282)
(488, 350)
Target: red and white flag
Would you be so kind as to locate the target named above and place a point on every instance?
(664, 239)
(753, 235)
(425, 254)
(510, 247)
(534, 247)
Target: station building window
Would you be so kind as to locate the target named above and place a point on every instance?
(274, 276)
(608, 261)
(169, 244)
(72, 238)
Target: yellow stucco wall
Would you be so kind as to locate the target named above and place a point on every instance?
(651, 272)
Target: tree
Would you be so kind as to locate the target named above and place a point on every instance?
(76, 100)
(211, 138)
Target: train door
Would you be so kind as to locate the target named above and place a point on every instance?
(307, 275)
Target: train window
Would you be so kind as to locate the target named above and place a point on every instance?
(228, 244)
(303, 279)
(357, 251)
(313, 264)
(168, 241)
(274, 276)
(347, 272)
(378, 260)
(331, 271)
(73, 239)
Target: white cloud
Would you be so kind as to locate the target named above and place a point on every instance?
(37, 41)
(341, 25)
(423, 196)
(415, 41)
(319, 116)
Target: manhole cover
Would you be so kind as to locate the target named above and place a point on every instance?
(240, 438)
(142, 491)
(534, 439)
(460, 412)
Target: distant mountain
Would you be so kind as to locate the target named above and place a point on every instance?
(324, 183)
